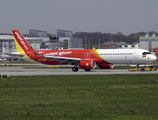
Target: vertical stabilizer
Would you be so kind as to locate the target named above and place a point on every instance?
(21, 44)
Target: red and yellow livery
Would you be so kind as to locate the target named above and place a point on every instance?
(86, 59)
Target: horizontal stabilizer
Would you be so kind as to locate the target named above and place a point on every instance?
(15, 55)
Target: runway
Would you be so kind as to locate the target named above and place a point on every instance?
(23, 71)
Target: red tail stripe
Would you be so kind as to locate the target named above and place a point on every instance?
(21, 40)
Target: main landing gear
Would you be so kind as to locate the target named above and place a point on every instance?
(75, 69)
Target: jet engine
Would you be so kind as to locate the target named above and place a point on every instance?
(87, 64)
(106, 66)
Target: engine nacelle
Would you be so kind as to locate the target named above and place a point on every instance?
(106, 66)
(87, 64)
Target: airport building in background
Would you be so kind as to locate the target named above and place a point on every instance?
(62, 40)
(145, 42)
(7, 43)
(148, 42)
(39, 40)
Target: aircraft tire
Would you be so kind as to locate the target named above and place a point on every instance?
(87, 70)
(75, 69)
(142, 69)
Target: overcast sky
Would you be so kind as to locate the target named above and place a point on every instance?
(107, 16)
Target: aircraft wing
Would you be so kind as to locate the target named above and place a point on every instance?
(66, 58)
(15, 55)
(70, 60)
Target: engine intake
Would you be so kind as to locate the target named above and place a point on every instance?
(87, 64)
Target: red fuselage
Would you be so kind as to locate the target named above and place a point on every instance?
(90, 54)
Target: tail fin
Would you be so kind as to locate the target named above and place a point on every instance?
(22, 45)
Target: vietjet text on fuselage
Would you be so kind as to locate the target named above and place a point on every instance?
(87, 59)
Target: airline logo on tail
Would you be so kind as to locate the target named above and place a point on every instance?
(20, 38)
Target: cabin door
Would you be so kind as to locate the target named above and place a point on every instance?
(135, 54)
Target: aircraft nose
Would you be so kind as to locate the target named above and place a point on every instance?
(153, 58)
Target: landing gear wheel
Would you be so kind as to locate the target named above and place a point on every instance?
(75, 69)
(142, 69)
(87, 70)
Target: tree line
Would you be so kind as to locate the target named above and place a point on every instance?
(106, 37)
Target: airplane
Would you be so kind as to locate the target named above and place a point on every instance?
(86, 59)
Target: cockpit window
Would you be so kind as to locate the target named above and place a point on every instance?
(145, 53)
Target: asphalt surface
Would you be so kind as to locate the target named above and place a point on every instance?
(24, 71)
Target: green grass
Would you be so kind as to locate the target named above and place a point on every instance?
(110, 97)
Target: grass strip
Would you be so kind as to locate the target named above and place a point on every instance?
(110, 97)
